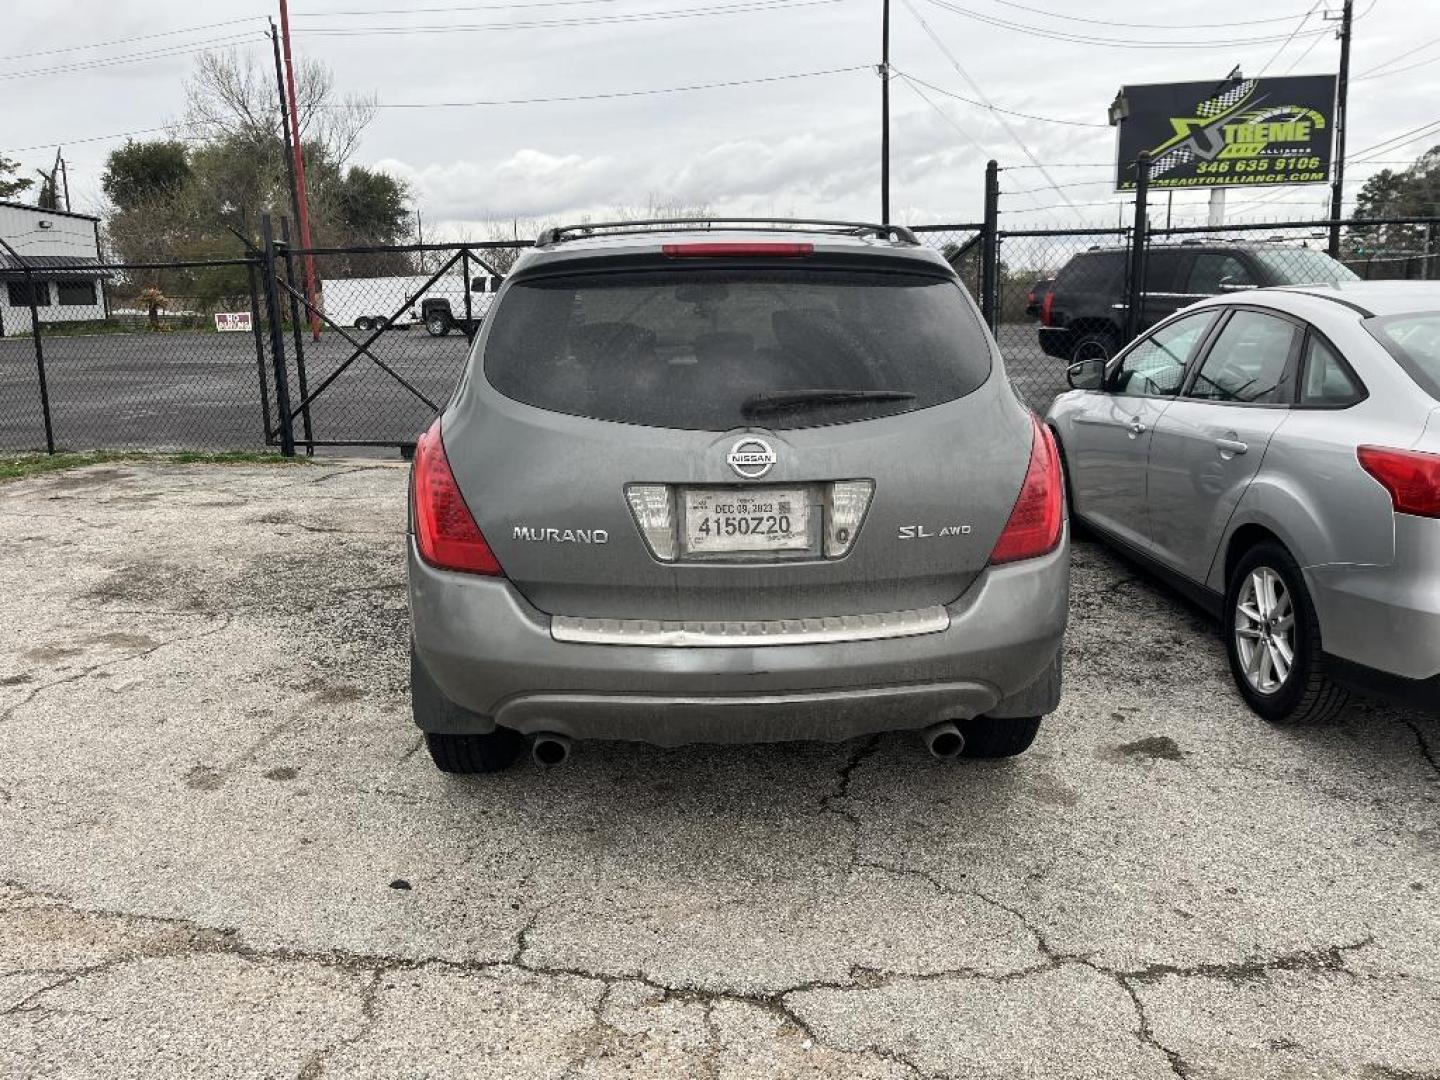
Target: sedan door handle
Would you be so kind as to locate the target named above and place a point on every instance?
(1137, 428)
(1232, 446)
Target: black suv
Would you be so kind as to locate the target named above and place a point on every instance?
(1082, 316)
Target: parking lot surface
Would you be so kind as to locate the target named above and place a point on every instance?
(223, 851)
(191, 390)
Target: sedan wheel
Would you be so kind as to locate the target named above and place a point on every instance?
(1273, 640)
(1265, 630)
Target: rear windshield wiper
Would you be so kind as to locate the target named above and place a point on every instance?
(785, 400)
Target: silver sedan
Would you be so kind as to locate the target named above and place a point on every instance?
(1276, 455)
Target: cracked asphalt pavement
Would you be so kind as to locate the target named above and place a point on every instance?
(223, 852)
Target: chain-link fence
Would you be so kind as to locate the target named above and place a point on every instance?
(131, 356)
(359, 347)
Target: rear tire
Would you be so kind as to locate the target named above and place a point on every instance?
(1285, 623)
(437, 325)
(990, 737)
(1094, 345)
(462, 753)
(362, 324)
(469, 754)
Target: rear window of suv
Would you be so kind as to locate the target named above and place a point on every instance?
(1302, 266)
(713, 349)
(1414, 342)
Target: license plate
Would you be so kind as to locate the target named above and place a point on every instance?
(724, 520)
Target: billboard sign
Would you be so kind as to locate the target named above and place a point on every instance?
(1237, 133)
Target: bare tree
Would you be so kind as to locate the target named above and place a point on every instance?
(231, 94)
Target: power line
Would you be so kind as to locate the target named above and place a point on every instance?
(1112, 43)
(1144, 26)
(448, 9)
(1303, 20)
(747, 7)
(1402, 56)
(943, 114)
(128, 40)
(997, 108)
(610, 95)
(133, 58)
(1399, 140)
(1397, 71)
(1300, 59)
(1000, 117)
(88, 139)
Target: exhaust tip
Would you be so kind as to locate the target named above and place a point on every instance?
(944, 740)
(550, 750)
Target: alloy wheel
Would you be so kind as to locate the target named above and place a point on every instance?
(1265, 630)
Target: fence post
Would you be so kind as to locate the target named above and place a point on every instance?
(277, 340)
(990, 246)
(1139, 240)
(299, 338)
(39, 346)
(465, 284)
(259, 346)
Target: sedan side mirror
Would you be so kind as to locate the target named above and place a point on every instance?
(1229, 284)
(1086, 375)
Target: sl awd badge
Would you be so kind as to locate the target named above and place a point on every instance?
(920, 532)
(751, 458)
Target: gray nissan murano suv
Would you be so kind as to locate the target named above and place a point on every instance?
(733, 482)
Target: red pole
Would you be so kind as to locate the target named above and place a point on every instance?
(299, 169)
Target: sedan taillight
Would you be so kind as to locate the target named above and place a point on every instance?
(1411, 476)
(445, 530)
(1039, 514)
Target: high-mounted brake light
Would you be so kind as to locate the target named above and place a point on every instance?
(1039, 514)
(726, 251)
(1411, 476)
(445, 530)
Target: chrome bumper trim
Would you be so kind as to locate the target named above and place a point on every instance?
(830, 629)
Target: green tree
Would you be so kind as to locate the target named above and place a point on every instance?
(1389, 250)
(11, 185)
(371, 206)
(138, 172)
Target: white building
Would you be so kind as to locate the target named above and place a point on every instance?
(63, 251)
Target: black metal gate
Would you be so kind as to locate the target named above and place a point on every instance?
(377, 336)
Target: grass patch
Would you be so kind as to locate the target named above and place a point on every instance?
(18, 466)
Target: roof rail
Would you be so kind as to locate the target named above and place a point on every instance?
(560, 234)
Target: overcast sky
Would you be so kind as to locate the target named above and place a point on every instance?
(805, 146)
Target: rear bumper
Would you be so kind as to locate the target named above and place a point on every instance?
(1386, 617)
(1423, 694)
(491, 653)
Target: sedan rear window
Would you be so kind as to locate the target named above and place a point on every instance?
(1414, 342)
(714, 349)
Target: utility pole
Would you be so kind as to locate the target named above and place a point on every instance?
(64, 181)
(885, 115)
(298, 152)
(1337, 186)
(285, 123)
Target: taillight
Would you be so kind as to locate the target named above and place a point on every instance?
(1411, 476)
(722, 251)
(445, 530)
(1039, 514)
(1047, 309)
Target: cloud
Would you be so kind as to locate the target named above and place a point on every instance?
(528, 183)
